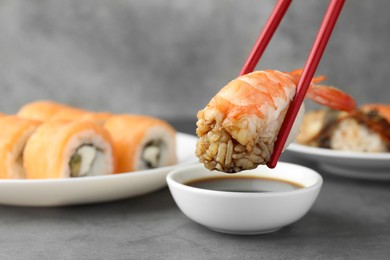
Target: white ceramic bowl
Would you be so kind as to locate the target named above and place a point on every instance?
(245, 212)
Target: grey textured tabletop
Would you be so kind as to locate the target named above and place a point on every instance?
(349, 220)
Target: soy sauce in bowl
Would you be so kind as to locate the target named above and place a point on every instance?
(257, 201)
(244, 184)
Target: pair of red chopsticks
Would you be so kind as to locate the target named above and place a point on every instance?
(312, 62)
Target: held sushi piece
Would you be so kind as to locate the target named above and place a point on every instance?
(65, 149)
(14, 134)
(141, 142)
(363, 130)
(238, 128)
(41, 110)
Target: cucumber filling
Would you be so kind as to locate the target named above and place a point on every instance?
(151, 155)
(82, 163)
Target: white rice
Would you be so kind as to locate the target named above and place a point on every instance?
(352, 136)
(89, 137)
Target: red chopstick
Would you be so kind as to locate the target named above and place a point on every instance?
(312, 62)
(265, 36)
(311, 65)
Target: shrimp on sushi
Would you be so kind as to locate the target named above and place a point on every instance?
(68, 149)
(366, 129)
(238, 128)
(382, 110)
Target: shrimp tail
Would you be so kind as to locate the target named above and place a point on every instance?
(326, 95)
(331, 97)
(296, 74)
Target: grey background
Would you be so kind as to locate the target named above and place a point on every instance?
(168, 58)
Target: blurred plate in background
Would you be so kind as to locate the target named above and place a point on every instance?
(370, 166)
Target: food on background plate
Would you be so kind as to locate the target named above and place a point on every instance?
(382, 109)
(363, 130)
(238, 128)
(14, 133)
(141, 142)
(63, 149)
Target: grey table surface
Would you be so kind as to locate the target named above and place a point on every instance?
(349, 220)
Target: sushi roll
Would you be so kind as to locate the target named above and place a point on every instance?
(362, 130)
(98, 118)
(68, 114)
(41, 110)
(14, 134)
(65, 149)
(141, 142)
(48, 110)
(78, 114)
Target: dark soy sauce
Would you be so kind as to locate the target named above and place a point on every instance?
(244, 184)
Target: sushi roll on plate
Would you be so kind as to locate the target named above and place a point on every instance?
(141, 142)
(42, 110)
(15, 132)
(53, 111)
(77, 114)
(66, 149)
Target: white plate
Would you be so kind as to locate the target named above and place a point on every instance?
(72, 191)
(370, 166)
